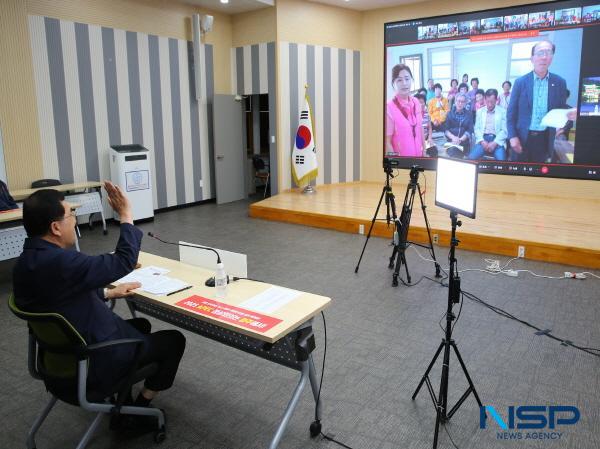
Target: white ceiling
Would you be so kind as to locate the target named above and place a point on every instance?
(364, 5)
(233, 7)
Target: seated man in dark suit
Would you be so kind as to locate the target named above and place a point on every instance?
(51, 277)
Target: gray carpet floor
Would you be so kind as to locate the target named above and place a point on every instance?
(380, 341)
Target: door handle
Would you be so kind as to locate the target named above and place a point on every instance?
(220, 156)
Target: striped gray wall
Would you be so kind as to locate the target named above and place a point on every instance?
(333, 78)
(100, 86)
(253, 73)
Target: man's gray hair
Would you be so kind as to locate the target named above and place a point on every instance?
(540, 42)
(460, 95)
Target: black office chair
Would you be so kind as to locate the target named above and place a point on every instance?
(262, 171)
(59, 356)
(41, 183)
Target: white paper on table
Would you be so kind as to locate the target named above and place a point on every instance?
(270, 300)
(165, 285)
(146, 273)
(154, 281)
(556, 118)
(153, 270)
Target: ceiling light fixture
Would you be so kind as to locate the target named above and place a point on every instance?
(225, 1)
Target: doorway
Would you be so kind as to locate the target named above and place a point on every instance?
(256, 112)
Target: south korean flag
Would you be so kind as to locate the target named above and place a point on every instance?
(304, 156)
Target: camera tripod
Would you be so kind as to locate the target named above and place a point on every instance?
(441, 402)
(401, 224)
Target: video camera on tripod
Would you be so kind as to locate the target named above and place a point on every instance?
(414, 172)
(401, 223)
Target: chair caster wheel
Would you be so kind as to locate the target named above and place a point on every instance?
(315, 429)
(395, 282)
(160, 435)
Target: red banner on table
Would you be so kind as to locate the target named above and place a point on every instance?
(231, 314)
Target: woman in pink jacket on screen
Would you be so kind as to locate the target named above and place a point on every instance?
(403, 130)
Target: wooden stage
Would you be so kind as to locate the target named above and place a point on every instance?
(552, 229)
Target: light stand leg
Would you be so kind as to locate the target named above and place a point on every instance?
(426, 375)
(471, 388)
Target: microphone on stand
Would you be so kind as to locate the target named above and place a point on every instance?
(151, 234)
(210, 282)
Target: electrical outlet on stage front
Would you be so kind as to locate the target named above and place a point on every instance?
(521, 252)
(436, 239)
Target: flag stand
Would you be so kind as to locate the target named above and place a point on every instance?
(309, 189)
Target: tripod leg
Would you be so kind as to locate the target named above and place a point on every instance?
(464, 368)
(423, 207)
(400, 260)
(392, 259)
(406, 267)
(383, 192)
(437, 353)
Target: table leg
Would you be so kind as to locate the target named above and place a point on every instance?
(131, 307)
(291, 406)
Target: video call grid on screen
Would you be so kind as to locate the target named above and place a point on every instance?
(495, 46)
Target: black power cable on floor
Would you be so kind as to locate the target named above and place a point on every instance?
(592, 351)
(450, 436)
(317, 420)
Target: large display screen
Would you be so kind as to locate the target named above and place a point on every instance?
(517, 89)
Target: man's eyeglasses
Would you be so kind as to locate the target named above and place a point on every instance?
(72, 214)
(541, 53)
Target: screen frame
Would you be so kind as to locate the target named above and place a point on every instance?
(452, 208)
(429, 163)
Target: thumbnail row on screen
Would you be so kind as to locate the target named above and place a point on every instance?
(515, 22)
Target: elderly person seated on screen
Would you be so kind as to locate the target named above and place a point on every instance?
(403, 130)
(459, 123)
(438, 108)
(474, 88)
(479, 100)
(490, 129)
(453, 91)
(430, 89)
(426, 121)
(463, 89)
(504, 97)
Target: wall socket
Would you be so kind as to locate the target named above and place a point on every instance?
(436, 238)
(361, 229)
(521, 252)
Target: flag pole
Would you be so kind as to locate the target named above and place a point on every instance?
(308, 189)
